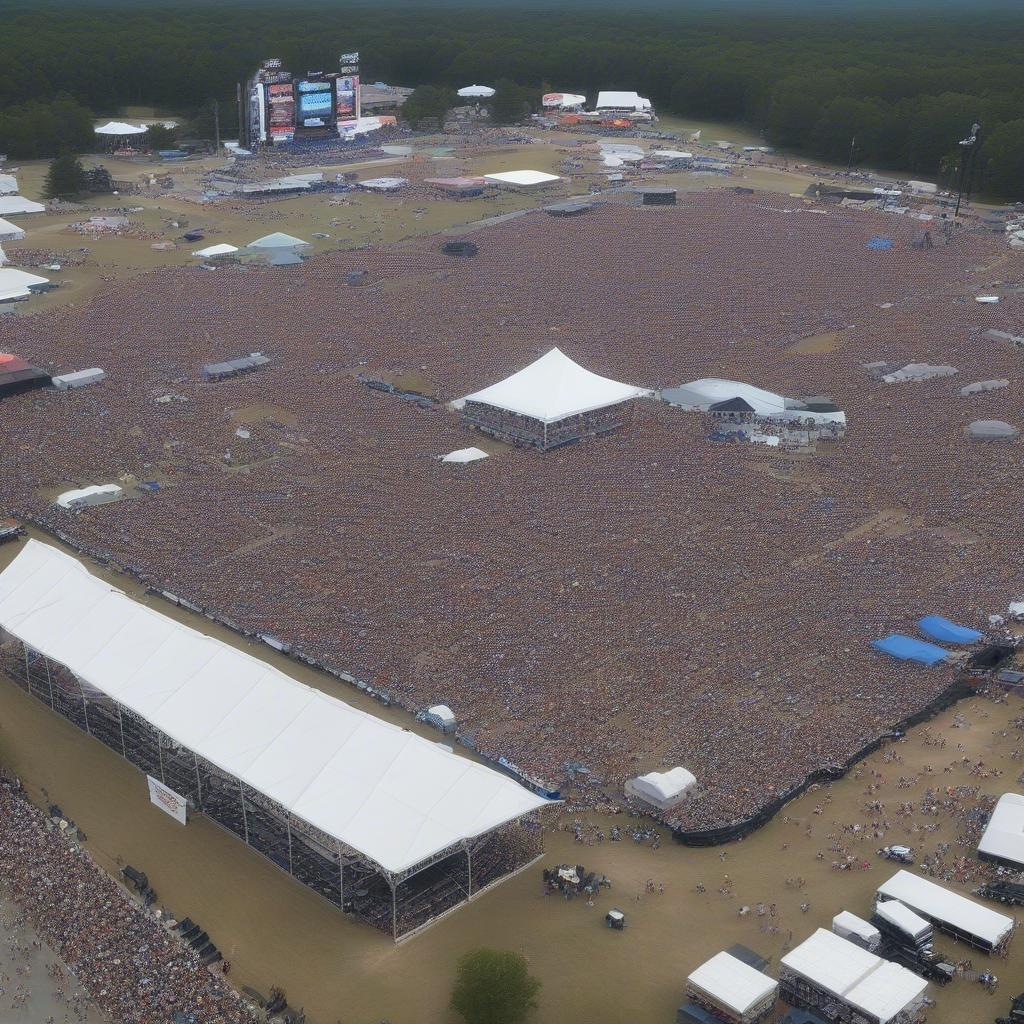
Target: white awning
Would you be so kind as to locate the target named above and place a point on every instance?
(120, 128)
(940, 904)
(1004, 835)
(553, 388)
(523, 179)
(732, 983)
(393, 796)
(11, 205)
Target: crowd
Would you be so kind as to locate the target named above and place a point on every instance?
(134, 969)
(625, 604)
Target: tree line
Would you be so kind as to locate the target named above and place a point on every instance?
(902, 88)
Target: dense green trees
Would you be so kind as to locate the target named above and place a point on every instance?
(907, 86)
(494, 986)
(39, 129)
(428, 102)
(65, 179)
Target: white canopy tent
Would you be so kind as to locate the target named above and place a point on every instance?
(708, 391)
(13, 205)
(562, 100)
(553, 388)
(393, 796)
(1003, 839)
(464, 455)
(84, 497)
(8, 184)
(118, 128)
(476, 92)
(727, 982)
(855, 929)
(663, 789)
(618, 100)
(10, 232)
(277, 240)
(18, 284)
(220, 249)
(521, 179)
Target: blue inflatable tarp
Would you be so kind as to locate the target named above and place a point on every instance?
(945, 631)
(906, 648)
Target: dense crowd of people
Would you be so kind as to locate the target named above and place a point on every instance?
(642, 600)
(133, 968)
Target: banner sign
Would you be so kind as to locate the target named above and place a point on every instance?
(167, 800)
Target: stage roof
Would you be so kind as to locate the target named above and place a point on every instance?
(553, 388)
(395, 797)
(1004, 835)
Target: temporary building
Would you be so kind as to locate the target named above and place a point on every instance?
(923, 187)
(707, 392)
(894, 913)
(118, 128)
(440, 716)
(662, 789)
(981, 386)
(1003, 839)
(463, 455)
(948, 910)
(991, 430)
(19, 284)
(906, 648)
(522, 179)
(458, 186)
(856, 930)
(612, 100)
(476, 92)
(946, 632)
(212, 251)
(18, 376)
(826, 968)
(8, 184)
(562, 101)
(394, 796)
(79, 379)
(549, 402)
(735, 990)
(233, 367)
(13, 205)
(383, 184)
(86, 497)
(277, 240)
(10, 232)
(916, 372)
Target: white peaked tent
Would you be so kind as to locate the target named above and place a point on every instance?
(394, 796)
(220, 249)
(277, 240)
(521, 179)
(476, 92)
(8, 184)
(463, 455)
(708, 391)
(553, 388)
(11, 205)
(116, 128)
(10, 232)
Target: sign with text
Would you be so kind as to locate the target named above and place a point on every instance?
(167, 800)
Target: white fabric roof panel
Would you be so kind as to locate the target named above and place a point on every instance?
(845, 921)
(522, 178)
(708, 391)
(941, 904)
(1004, 834)
(887, 991)
(13, 278)
(10, 232)
(8, 184)
(612, 100)
(11, 205)
(392, 795)
(220, 249)
(732, 983)
(464, 455)
(552, 388)
(903, 918)
(483, 91)
(665, 785)
(120, 128)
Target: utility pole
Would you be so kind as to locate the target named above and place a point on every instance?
(849, 163)
(969, 149)
(216, 124)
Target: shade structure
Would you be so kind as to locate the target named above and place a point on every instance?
(8, 184)
(391, 795)
(15, 284)
(663, 789)
(277, 240)
(476, 92)
(906, 648)
(941, 629)
(11, 206)
(562, 100)
(552, 388)
(1003, 839)
(463, 455)
(728, 983)
(220, 249)
(620, 100)
(991, 430)
(116, 128)
(949, 910)
(707, 392)
(10, 232)
(522, 179)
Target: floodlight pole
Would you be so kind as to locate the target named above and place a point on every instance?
(849, 163)
(970, 149)
(216, 124)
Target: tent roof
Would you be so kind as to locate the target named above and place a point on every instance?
(277, 240)
(941, 904)
(732, 983)
(220, 249)
(465, 455)
(392, 795)
(8, 184)
(11, 278)
(552, 388)
(563, 99)
(18, 204)
(941, 629)
(665, 785)
(119, 128)
(709, 391)
(614, 100)
(1004, 835)
(906, 648)
(521, 177)
(10, 232)
(990, 429)
(484, 91)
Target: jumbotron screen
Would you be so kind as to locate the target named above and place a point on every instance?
(315, 101)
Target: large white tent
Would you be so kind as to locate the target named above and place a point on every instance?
(220, 249)
(118, 128)
(662, 789)
(552, 388)
(476, 92)
(12, 205)
(277, 240)
(732, 986)
(394, 796)
(708, 391)
(1003, 839)
(617, 100)
(521, 179)
(562, 100)
(18, 284)
(8, 184)
(10, 232)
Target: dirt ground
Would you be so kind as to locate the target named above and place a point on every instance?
(274, 931)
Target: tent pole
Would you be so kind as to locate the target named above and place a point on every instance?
(49, 679)
(120, 725)
(245, 820)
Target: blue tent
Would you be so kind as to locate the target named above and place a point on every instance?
(880, 242)
(906, 648)
(947, 632)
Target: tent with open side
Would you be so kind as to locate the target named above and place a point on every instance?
(906, 648)
(11, 206)
(479, 92)
(119, 129)
(941, 629)
(10, 232)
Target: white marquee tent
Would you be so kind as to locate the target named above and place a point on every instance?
(521, 179)
(10, 232)
(394, 796)
(1003, 839)
(612, 100)
(117, 128)
(8, 184)
(220, 249)
(727, 982)
(708, 391)
(663, 789)
(476, 92)
(553, 388)
(12, 205)
(277, 240)
(463, 455)
(18, 284)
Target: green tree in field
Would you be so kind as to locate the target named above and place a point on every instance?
(494, 986)
(1004, 160)
(428, 101)
(511, 102)
(66, 178)
(158, 136)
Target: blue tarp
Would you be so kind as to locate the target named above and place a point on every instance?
(947, 632)
(906, 648)
(880, 242)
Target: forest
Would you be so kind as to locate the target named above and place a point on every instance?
(901, 81)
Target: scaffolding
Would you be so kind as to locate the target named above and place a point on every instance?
(400, 903)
